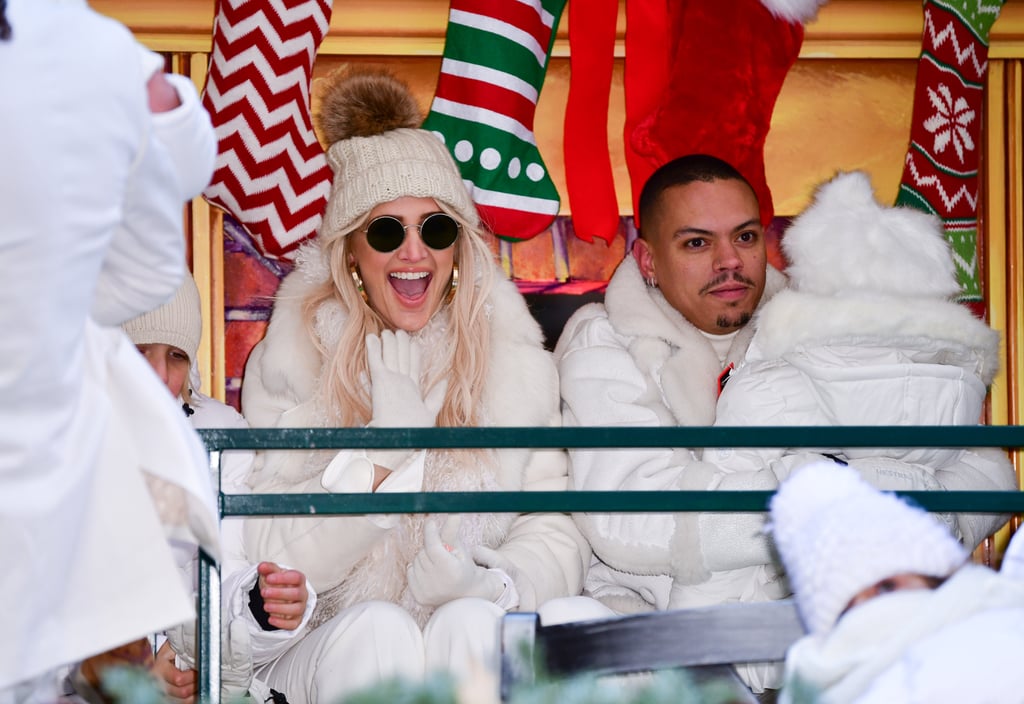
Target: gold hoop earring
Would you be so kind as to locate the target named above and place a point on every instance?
(454, 285)
(358, 282)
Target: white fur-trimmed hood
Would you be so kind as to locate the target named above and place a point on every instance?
(794, 319)
(845, 242)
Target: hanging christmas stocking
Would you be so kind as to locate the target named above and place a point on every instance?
(271, 175)
(728, 66)
(940, 172)
(495, 58)
(588, 166)
(649, 51)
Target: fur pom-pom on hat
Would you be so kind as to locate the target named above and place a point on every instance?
(845, 242)
(838, 535)
(365, 104)
(377, 152)
(178, 323)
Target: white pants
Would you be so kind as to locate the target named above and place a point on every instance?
(376, 640)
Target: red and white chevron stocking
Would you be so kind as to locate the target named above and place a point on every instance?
(271, 175)
(495, 58)
(940, 172)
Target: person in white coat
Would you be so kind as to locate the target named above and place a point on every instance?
(675, 316)
(894, 610)
(868, 334)
(92, 203)
(397, 316)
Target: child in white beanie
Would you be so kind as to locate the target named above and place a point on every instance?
(257, 623)
(894, 611)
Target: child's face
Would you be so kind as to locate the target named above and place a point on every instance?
(894, 584)
(170, 364)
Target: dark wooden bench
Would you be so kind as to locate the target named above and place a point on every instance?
(707, 641)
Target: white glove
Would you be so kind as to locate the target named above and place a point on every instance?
(398, 401)
(443, 571)
(236, 655)
(497, 563)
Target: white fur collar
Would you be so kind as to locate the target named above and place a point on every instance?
(669, 349)
(793, 319)
(640, 311)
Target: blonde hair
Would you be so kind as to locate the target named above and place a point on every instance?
(345, 395)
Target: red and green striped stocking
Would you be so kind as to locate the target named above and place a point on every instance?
(495, 59)
(940, 172)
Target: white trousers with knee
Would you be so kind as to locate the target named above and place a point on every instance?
(375, 641)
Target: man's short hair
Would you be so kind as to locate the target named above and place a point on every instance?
(682, 171)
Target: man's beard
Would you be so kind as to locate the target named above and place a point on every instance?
(727, 323)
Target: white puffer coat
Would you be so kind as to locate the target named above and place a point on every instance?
(866, 336)
(635, 361)
(97, 465)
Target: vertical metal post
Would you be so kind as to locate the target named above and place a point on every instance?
(208, 627)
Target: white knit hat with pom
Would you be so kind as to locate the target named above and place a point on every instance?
(377, 151)
(838, 535)
(845, 243)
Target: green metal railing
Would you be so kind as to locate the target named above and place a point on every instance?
(569, 501)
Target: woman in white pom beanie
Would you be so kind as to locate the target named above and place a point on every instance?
(895, 613)
(397, 315)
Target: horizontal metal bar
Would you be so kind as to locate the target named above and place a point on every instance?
(617, 437)
(576, 501)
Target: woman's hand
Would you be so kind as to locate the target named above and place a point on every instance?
(443, 571)
(284, 595)
(398, 400)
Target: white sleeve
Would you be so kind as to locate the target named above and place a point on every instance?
(266, 645)
(187, 133)
(145, 262)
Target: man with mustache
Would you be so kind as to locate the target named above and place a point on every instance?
(674, 319)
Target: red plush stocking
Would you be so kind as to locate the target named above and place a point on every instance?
(729, 62)
(271, 174)
(649, 51)
(588, 170)
(588, 165)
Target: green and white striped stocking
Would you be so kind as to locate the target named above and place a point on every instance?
(495, 59)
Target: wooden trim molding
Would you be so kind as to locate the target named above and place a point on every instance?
(843, 28)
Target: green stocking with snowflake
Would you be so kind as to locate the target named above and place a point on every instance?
(940, 172)
(495, 58)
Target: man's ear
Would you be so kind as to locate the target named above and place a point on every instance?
(644, 259)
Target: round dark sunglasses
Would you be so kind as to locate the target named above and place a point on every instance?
(386, 233)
